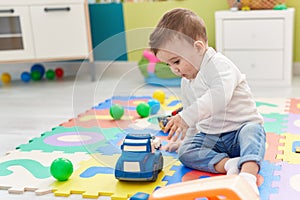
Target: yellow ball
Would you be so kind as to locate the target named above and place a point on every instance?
(246, 8)
(6, 78)
(159, 95)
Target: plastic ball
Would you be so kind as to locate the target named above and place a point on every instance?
(246, 8)
(6, 78)
(38, 67)
(61, 169)
(25, 77)
(143, 109)
(59, 72)
(116, 111)
(154, 106)
(159, 95)
(280, 7)
(35, 75)
(50, 74)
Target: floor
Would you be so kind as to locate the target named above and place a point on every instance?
(27, 110)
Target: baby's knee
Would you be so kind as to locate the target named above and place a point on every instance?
(183, 156)
(254, 130)
(181, 151)
(253, 127)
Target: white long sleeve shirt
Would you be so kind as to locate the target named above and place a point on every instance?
(219, 99)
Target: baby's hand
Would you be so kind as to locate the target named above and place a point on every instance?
(172, 146)
(176, 126)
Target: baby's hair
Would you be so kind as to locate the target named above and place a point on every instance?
(181, 23)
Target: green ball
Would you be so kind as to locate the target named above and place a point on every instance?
(35, 75)
(50, 74)
(116, 111)
(143, 109)
(61, 169)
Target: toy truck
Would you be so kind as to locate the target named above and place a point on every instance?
(139, 160)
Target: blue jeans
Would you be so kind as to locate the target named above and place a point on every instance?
(203, 151)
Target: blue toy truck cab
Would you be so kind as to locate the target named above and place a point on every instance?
(138, 161)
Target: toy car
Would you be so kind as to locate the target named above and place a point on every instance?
(162, 121)
(139, 160)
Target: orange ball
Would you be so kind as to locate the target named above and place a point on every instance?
(6, 78)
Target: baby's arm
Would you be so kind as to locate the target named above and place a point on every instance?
(217, 92)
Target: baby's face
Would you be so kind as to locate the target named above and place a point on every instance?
(183, 59)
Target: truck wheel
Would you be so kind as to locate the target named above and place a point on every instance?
(155, 174)
(160, 164)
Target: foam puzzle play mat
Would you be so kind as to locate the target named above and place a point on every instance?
(92, 142)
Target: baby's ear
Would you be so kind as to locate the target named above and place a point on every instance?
(200, 46)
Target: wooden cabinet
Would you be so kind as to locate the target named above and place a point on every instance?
(15, 33)
(259, 42)
(44, 30)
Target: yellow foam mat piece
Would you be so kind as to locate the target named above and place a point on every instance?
(107, 184)
(289, 154)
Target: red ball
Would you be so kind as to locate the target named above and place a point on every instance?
(59, 72)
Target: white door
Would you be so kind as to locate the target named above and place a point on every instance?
(59, 31)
